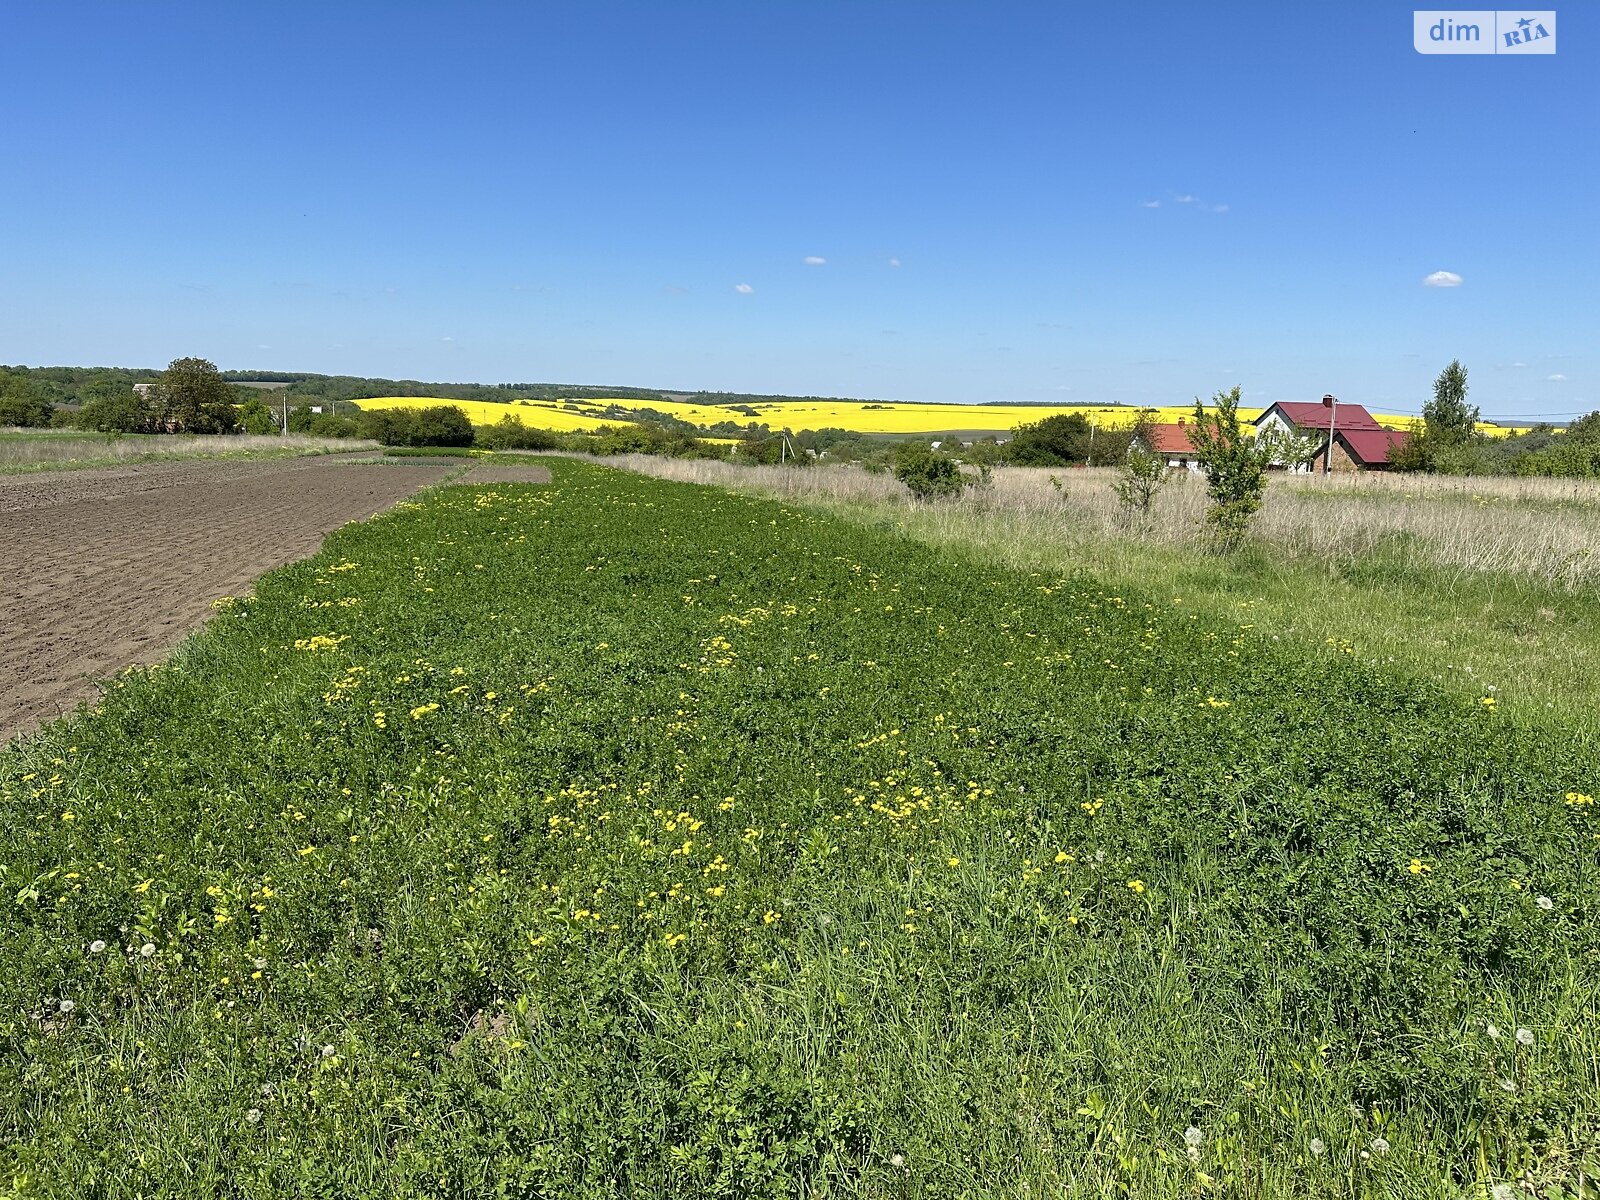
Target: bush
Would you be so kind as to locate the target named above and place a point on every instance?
(256, 417)
(22, 403)
(124, 412)
(1058, 441)
(509, 433)
(330, 426)
(1234, 464)
(926, 472)
(443, 425)
(1142, 474)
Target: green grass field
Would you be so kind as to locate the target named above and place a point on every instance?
(622, 837)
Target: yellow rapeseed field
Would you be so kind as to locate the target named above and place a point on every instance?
(857, 416)
(536, 414)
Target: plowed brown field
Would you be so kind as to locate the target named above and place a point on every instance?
(100, 569)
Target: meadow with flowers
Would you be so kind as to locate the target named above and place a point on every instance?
(624, 837)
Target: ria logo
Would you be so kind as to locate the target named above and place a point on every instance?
(1484, 31)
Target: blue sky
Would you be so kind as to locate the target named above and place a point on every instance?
(1013, 202)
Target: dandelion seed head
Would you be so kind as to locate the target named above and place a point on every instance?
(1193, 1136)
(1524, 1036)
(897, 1161)
(67, 1006)
(1545, 903)
(1380, 1146)
(327, 1052)
(1493, 1031)
(146, 950)
(1318, 1147)
(253, 1115)
(96, 946)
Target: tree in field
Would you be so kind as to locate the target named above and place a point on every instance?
(1142, 473)
(1057, 441)
(24, 402)
(256, 417)
(926, 472)
(195, 398)
(1448, 420)
(1234, 464)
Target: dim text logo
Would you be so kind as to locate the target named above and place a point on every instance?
(1484, 31)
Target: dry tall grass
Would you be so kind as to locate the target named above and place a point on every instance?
(20, 452)
(1541, 529)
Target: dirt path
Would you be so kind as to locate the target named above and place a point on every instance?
(101, 569)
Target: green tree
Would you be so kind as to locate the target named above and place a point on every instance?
(1234, 464)
(24, 402)
(1415, 453)
(1142, 474)
(926, 472)
(195, 398)
(1447, 418)
(1058, 441)
(256, 417)
(509, 433)
(442, 425)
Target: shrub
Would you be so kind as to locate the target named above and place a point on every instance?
(926, 472)
(1234, 464)
(124, 412)
(1141, 476)
(1058, 441)
(509, 433)
(443, 425)
(256, 417)
(23, 403)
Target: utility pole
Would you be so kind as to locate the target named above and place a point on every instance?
(1331, 403)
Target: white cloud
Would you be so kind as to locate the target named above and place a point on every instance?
(1442, 279)
(1185, 199)
(1150, 203)
(1220, 208)
(744, 289)
(447, 339)
(262, 346)
(894, 262)
(814, 260)
(1555, 378)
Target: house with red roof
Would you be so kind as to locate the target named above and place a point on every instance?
(1359, 443)
(1173, 444)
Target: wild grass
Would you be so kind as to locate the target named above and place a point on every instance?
(618, 837)
(1489, 585)
(49, 450)
(1546, 530)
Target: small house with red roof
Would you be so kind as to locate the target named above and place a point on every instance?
(1359, 442)
(1172, 443)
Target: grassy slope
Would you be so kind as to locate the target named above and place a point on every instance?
(492, 954)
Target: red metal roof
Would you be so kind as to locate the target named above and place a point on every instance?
(1370, 447)
(1170, 439)
(1315, 416)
